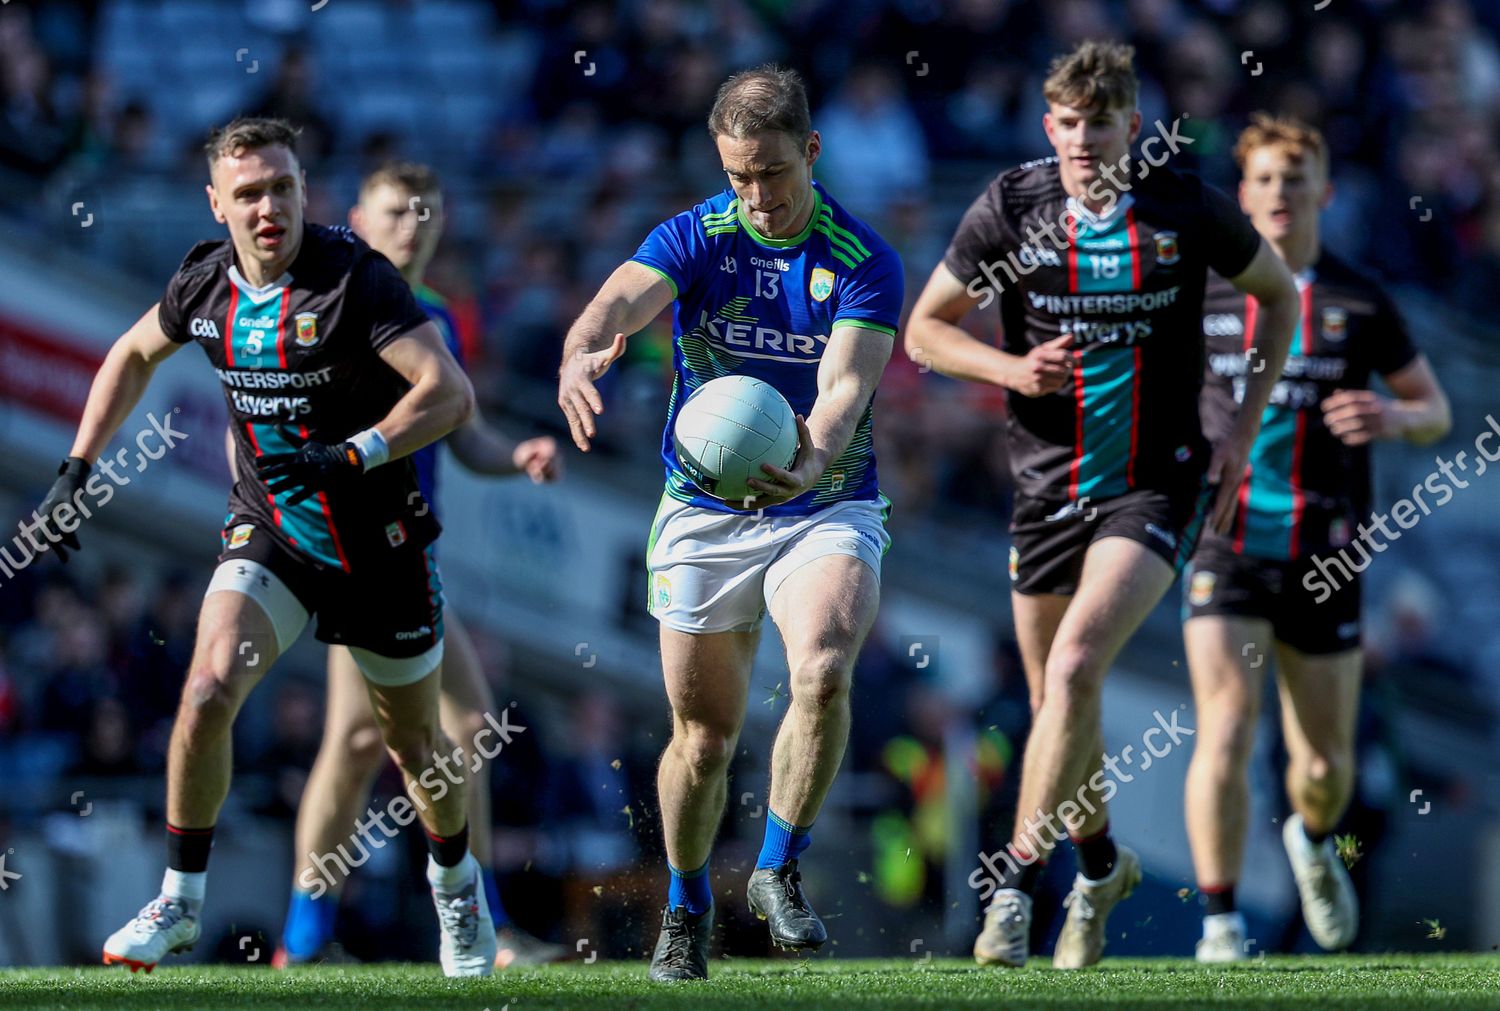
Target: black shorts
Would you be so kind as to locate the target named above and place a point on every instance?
(1222, 582)
(394, 612)
(1049, 539)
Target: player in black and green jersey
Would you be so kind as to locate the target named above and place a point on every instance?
(1101, 262)
(1306, 490)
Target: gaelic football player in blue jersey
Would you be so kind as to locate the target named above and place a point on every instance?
(771, 279)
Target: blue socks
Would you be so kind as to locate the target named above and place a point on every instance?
(690, 890)
(492, 896)
(309, 924)
(784, 841)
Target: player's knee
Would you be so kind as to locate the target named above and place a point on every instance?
(362, 746)
(1074, 676)
(1225, 740)
(1327, 769)
(210, 695)
(706, 750)
(820, 680)
(414, 748)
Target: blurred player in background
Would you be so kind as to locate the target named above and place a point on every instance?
(1104, 260)
(400, 214)
(1306, 490)
(771, 279)
(333, 376)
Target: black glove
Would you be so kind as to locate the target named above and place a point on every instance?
(309, 469)
(71, 474)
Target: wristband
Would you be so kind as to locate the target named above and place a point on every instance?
(372, 448)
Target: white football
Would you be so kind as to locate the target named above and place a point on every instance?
(727, 428)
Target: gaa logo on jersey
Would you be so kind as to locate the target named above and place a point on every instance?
(821, 285)
(661, 592)
(395, 533)
(1201, 589)
(239, 537)
(1335, 324)
(307, 329)
(1166, 248)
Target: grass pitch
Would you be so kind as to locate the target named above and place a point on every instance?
(1303, 983)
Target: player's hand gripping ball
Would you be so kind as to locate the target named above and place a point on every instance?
(727, 428)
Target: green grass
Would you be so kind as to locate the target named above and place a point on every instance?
(1303, 983)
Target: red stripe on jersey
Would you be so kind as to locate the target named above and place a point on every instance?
(1077, 425)
(275, 509)
(1132, 245)
(1252, 309)
(286, 298)
(234, 306)
(1135, 417)
(1072, 232)
(338, 545)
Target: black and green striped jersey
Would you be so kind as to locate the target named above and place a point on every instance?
(303, 352)
(1304, 489)
(1129, 288)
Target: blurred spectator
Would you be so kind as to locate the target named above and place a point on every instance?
(873, 150)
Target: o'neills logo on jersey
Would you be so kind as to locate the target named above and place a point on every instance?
(1335, 324)
(307, 329)
(1166, 248)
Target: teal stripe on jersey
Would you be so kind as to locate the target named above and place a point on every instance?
(1106, 261)
(1267, 517)
(305, 523)
(255, 332)
(1268, 507)
(1106, 408)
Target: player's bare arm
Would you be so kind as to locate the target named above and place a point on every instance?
(1270, 282)
(934, 339)
(484, 449)
(120, 382)
(116, 389)
(633, 296)
(850, 369)
(440, 399)
(1418, 413)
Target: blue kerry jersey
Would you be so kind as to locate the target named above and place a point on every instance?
(425, 460)
(753, 306)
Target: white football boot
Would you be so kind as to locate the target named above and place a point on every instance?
(165, 926)
(1329, 905)
(1005, 938)
(1223, 939)
(1081, 942)
(468, 934)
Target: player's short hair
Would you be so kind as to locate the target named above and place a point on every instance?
(768, 97)
(246, 133)
(413, 177)
(1300, 140)
(1098, 74)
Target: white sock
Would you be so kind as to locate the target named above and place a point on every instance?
(450, 879)
(1223, 923)
(188, 886)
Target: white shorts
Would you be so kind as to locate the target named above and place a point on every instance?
(713, 571)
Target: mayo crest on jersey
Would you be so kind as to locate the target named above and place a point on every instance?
(754, 306)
